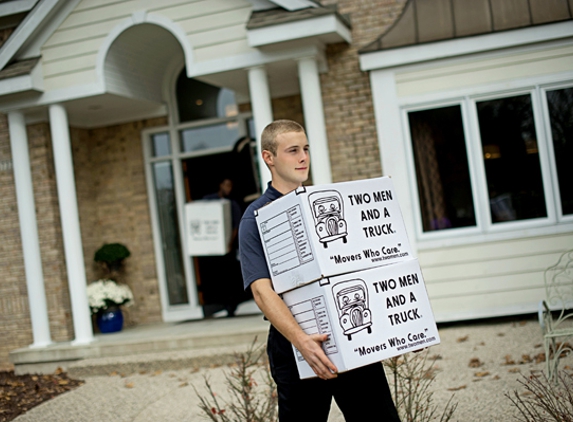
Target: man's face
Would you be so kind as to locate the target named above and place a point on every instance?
(226, 187)
(291, 164)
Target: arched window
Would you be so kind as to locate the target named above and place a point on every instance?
(198, 100)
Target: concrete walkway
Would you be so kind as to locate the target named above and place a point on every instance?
(477, 362)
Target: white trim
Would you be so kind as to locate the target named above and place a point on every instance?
(474, 239)
(244, 61)
(252, 59)
(32, 47)
(461, 46)
(389, 130)
(31, 82)
(329, 26)
(10, 8)
(502, 88)
(291, 5)
(138, 18)
(26, 29)
(51, 97)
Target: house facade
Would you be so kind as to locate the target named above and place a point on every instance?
(116, 114)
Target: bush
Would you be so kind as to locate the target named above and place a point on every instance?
(248, 401)
(112, 254)
(543, 400)
(413, 374)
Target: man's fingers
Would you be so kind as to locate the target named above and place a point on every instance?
(321, 365)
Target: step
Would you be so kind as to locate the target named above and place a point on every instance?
(222, 333)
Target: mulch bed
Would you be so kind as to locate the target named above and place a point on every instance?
(20, 393)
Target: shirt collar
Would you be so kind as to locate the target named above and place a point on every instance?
(271, 193)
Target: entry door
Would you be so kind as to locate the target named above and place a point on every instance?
(182, 164)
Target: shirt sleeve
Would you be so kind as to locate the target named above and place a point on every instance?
(253, 262)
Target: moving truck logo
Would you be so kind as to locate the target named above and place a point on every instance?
(328, 214)
(351, 299)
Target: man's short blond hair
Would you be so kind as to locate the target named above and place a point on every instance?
(274, 129)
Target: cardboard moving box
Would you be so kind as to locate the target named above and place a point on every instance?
(369, 315)
(320, 231)
(208, 226)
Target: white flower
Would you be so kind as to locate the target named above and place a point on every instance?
(105, 293)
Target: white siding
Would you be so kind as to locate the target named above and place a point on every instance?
(474, 71)
(489, 279)
(214, 28)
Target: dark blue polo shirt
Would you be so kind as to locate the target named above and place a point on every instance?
(253, 262)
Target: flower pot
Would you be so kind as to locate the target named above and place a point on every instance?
(110, 320)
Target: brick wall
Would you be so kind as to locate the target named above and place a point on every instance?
(113, 206)
(348, 108)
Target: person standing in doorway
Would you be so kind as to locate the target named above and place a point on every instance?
(226, 268)
(361, 394)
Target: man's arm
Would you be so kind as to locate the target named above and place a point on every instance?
(279, 315)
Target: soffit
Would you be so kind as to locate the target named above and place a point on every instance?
(424, 21)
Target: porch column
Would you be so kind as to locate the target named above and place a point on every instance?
(314, 120)
(29, 230)
(70, 224)
(262, 113)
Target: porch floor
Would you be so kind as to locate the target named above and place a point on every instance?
(147, 347)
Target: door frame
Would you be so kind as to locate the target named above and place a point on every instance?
(193, 309)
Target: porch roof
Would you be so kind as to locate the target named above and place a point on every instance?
(425, 21)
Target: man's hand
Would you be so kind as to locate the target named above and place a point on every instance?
(311, 350)
(279, 315)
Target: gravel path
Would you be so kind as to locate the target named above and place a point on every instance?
(499, 352)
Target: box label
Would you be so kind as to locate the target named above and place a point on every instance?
(312, 316)
(286, 240)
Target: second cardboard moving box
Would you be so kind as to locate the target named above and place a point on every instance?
(339, 254)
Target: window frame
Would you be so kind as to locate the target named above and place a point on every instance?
(550, 150)
(485, 230)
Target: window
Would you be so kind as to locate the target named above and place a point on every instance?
(505, 150)
(511, 159)
(560, 105)
(198, 100)
(442, 171)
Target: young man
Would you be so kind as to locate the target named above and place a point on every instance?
(361, 394)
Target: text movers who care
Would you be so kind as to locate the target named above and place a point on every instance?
(369, 315)
(320, 231)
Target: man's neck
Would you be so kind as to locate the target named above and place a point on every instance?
(284, 188)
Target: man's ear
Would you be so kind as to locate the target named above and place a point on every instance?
(268, 157)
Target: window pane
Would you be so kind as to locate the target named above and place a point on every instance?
(209, 137)
(442, 168)
(560, 104)
(166, 210)
(511, 159)
(160, 145)
(198, 100)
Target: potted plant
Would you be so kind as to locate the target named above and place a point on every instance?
(105, 298)
(111, 255)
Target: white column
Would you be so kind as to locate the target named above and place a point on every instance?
(70, 224)
(314, 120)
(29, 230)
(262, 113)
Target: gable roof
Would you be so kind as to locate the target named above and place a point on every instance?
(424, 21)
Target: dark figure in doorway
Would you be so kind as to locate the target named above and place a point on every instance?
(226, 289)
